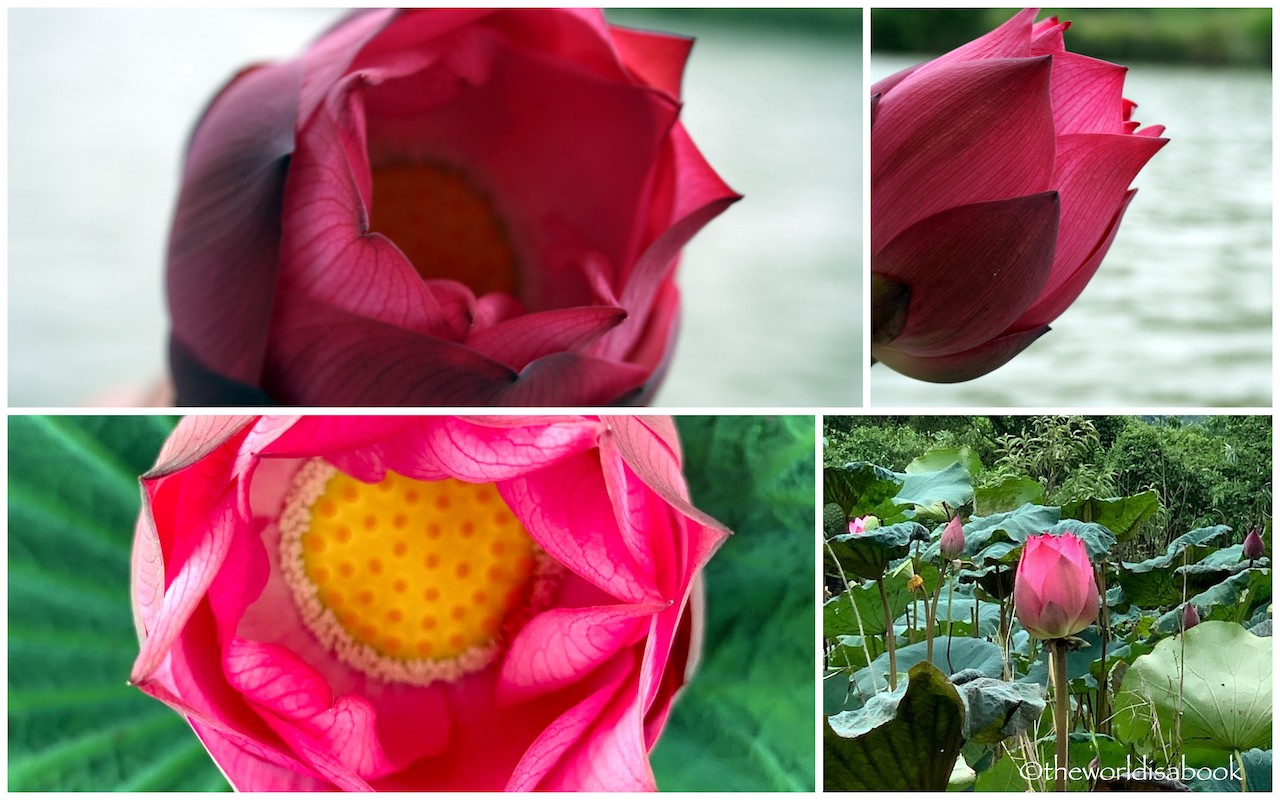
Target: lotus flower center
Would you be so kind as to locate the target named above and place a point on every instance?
(445, 227)
(406, 580)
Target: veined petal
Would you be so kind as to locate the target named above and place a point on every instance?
(562, 645)
(566, 509)
(961, 366)
(1052, 302)
(1093, 174)
(999, 141)
(971, 270)
(523, 339)
(245, 767)
(1086, 95)
(223, 263)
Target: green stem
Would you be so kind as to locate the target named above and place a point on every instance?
(1061, 708)
(1102, 721)
(889, 636)
(933, 615)
(1244, 780)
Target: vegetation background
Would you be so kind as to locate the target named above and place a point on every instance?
(1229, 36)
(1207, 470)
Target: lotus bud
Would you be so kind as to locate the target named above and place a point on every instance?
(1190, 617)
(1054, 592)
(952, 543)
(1253, 547)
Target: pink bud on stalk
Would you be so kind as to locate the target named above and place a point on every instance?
(1190, 617)
(1054, 592)
(1253, 547)
(952, 542)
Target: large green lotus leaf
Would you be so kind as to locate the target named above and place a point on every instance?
(835, 691)
(1229, 601)
(861, 488)
(939, 458)
(849, 653)
(996, 709)
(745, 722)
(838, 613)
(73, 723)
(1098, 541)
(1123, 516)
(1008, 526)
(1224, 683)
(867, 555)
(958, 607)
(1078, 660)
(928, 491)
(962, 654)
(1011, 493)
(1153, 583)
(902, 741)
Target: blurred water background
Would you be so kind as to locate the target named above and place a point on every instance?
(101, 103)
(1180, 313)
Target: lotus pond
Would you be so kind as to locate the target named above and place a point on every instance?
(932, 681)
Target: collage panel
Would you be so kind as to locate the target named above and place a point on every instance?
(1047, 603)
(435, 208)
(1055, 223)
(411, 603)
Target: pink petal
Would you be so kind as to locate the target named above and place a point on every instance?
(611, 756)
(328, 254)
(222, 263)
(961, 366)
(328, 59)
(572, 379)
(1093, 174)
(323, 355)
(566, 509)
(656, 59)
(559, 737)
(998, 120)
(1053, 302)
(1011, 40)
(698, 195)
(1086, 95)
(681, 662)
(518, 341)
(561, 646)
(971, 270)
(476, 449)
(249, 771)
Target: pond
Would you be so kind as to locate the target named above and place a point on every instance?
(1180, 312)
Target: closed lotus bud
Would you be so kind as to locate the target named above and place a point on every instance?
(1054, 592)
(1190, 617)
(952, 543)
(1253, 548)
(999, 175)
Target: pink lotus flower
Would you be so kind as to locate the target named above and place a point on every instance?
(406, 604)
(952, 541)
(858, 524)
(1054, 592)
(999, 175)
(440, 207)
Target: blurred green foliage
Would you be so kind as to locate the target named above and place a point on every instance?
(1233, 36)
(74, 725)
(827, 22)
(1206, 470)
(746, 721)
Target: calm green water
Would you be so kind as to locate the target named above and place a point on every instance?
(1180, 313)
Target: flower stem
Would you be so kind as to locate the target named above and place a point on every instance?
(889, 636)
(1061, 707)
(933, 614)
